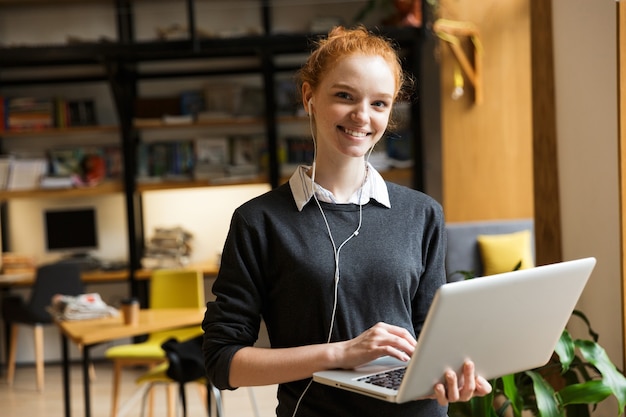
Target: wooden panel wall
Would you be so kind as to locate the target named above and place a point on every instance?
(621, 42)
(487, 168)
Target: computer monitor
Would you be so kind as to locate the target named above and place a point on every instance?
(73, 230)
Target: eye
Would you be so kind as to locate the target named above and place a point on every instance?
(380, 103)
(343, 95)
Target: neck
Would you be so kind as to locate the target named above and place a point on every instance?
(341, 180)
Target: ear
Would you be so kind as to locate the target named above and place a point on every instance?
(307, 96)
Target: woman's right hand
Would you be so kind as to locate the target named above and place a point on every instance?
(382, 339)
(253, 366)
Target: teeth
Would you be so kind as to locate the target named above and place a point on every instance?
(355, 133)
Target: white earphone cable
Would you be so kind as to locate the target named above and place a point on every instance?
(336, 250)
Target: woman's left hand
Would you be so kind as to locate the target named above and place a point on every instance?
(454, 390)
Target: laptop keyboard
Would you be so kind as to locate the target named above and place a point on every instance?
(389, 379)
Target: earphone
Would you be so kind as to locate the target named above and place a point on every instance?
(336, 249)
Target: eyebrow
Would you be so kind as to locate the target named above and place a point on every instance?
(345, 86)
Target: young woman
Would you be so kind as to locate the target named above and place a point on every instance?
(340, 265)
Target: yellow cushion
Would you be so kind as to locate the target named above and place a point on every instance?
(148, 351)
(501, 253)
(151, 348)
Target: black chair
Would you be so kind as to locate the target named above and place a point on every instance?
(186, 364)
(50, 279)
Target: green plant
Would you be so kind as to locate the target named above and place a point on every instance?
(579, 375)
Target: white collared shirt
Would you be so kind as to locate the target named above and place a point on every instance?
(373, 188)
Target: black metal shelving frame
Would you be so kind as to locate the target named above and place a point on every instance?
(118, 64)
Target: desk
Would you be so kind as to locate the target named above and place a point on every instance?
(209, 269)
(88, 333)
(24, 280)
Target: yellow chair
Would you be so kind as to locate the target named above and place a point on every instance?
(173, 288)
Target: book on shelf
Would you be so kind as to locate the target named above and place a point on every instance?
(33, 113)
(81, 112)
(211, 157)
(65, 161)
(56, 182)
(252, 102)
(26, 174)
(29, 113)
(221, 99)
(17, 263)
(287, 97)
(114, 161)
(300, 150)
(245, 155)
(192, 102)
(168, 160)
(5, 168)
(2, 114)
(177, 119)
(60, 113)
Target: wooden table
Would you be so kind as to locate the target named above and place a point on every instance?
(209, 269)
(88, 333)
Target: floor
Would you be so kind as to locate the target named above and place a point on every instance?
(23, 399)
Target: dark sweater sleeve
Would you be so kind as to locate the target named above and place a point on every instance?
(232, 321)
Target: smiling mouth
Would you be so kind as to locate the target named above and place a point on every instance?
(355, 133)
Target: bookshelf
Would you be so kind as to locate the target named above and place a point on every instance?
(127, 67)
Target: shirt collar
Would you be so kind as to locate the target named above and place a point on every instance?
(374, 188)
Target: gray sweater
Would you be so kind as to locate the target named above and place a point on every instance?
(278, 264)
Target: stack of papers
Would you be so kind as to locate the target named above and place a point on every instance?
(81, 307)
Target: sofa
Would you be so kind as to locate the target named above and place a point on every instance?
(463, 252)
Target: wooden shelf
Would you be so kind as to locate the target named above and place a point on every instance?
(209, 270)
(158, 124)
(148, 124)
(108, 187)
(218, 182)
(64, 131)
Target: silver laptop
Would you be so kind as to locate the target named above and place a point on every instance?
(505, 323)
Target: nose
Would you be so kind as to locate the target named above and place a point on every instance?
(360, 112)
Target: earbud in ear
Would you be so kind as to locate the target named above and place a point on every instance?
(310, 103)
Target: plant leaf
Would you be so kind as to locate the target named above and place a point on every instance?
(464, 274)
(611, 377)
(512, 393)
(590, 392)
(546, 399)
(566, 349)
(483, 406)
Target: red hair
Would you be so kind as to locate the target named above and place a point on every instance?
(342, 42)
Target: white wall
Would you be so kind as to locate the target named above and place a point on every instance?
(26, 226)
(585, 37)
(204, 212)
